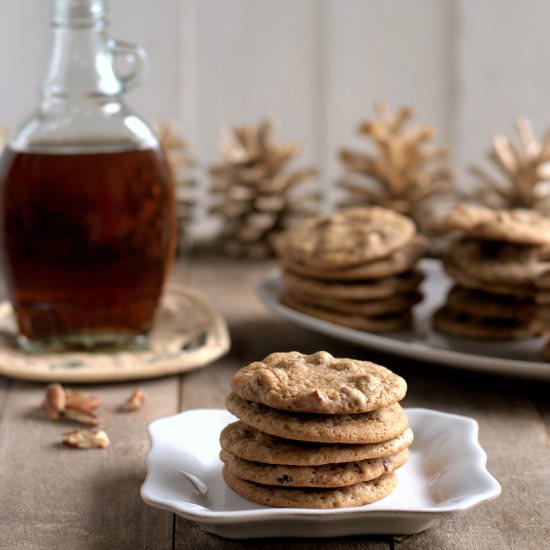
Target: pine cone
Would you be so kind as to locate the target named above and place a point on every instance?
(178, 154)
(524, 170)
(403, 172)
(256, 192)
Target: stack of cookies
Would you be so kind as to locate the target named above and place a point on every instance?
(314, 431)
(355, 268)
(495, 264)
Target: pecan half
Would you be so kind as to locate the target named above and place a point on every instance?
(54, 401)
(86, 439)
(134, 402)
(81, 414)
(76, 398)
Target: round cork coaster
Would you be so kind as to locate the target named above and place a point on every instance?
(188, 334)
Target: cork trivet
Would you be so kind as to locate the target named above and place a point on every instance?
(188, 334)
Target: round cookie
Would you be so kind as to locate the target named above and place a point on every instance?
(399, 261)
(495, 262)
(250, 444)
(479, 303)
(386, 323)
(463, 279)
(356, 290)
(514, 226)
(398, 303)
(328, 475)
(453, 323)
(318, 383)
(349, 237)
(372, 427)
(292, 497)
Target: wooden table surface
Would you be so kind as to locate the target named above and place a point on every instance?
(60, 498)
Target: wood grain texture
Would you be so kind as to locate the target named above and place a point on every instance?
(56, 497)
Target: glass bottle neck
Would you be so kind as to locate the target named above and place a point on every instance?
(81, 61)
(81, 107)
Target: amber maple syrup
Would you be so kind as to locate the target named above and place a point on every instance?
(87, 242)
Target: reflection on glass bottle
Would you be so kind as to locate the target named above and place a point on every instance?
(87, 222)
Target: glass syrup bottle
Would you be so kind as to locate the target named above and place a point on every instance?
(87, 215)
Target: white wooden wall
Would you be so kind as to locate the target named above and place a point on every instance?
(469, 67)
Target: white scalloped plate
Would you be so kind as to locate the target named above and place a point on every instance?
(515, 358)
(446, 473)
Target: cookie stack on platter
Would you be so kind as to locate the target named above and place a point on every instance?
(315, 431)
(495, 264)
(356, 268)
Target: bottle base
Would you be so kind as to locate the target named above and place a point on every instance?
(99, 343)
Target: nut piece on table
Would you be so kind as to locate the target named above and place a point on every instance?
(54, 401)
(78, 399)
(134, 402)
(81, 414)
(86, 439)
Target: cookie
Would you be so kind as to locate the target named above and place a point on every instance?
(453, 323)
(494, 262)
(399, 261)
(250, 444)
(318, 383)
(349, 237)
(354, 290)
(291, 497)
(398, 303)
(372, 427)
(328, 475)
(515, 226)
(479, 303)
(465, 280)
(385, 323)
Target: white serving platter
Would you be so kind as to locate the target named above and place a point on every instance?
(445, 474)
(515, 358)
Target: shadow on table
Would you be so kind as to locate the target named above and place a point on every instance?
(189, 536)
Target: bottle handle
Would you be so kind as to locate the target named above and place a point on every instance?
(137, 59)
